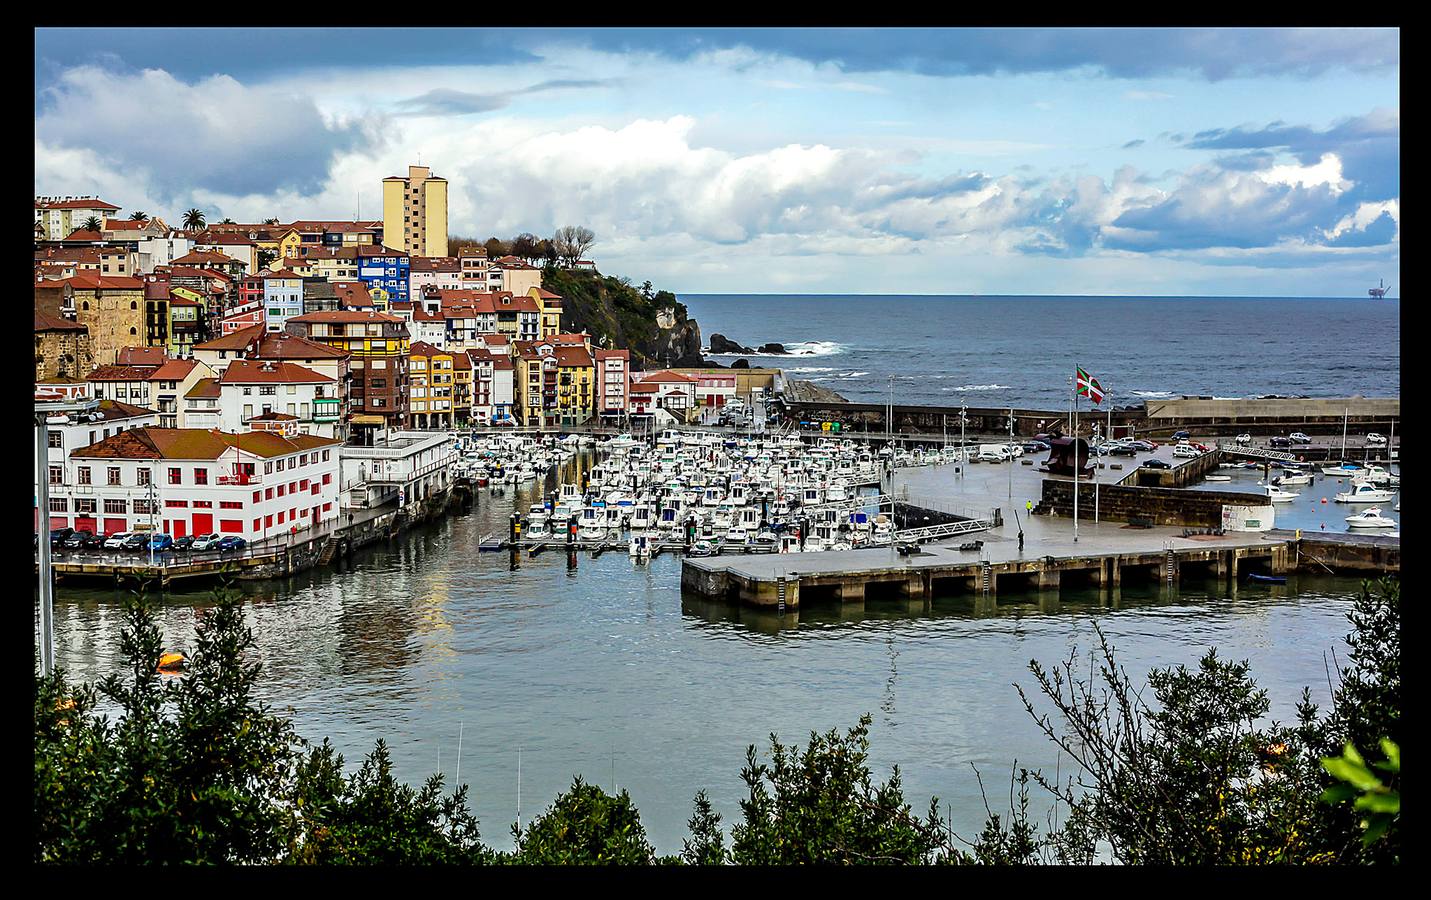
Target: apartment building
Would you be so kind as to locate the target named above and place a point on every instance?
(415, 212)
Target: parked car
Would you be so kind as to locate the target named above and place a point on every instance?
(182, 544)
(116, 540)
(136, 540)
(1035, 446)
(1156, 464)
(1300, 438)
(1280, 441)
(1123, 450)
(1244, 439)
(206, 541)
(1185, 451)
(161, 542)
(231, 542)
(1201, 448)
(1145, 446)
(1376, 440)
(77, 539)
(1181, 435)
(58, 536)
(94, 542)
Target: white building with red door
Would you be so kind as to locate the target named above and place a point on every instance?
(186, 481)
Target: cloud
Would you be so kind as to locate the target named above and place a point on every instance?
(214, 134)
(1136, 143)
(446, 101)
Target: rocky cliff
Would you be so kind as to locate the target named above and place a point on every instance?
(618, 315)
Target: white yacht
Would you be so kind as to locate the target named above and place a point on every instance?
(1277, 495)
(1370, 518)
(1364, 492)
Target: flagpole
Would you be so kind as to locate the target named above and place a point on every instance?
(1075, 455)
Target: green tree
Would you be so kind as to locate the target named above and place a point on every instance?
(266, 258)
(226, 221)
(139, 215)
(194, 219)
(706, 845)
(93, 224)
(585, 826)
(821, 806)
(271, 220)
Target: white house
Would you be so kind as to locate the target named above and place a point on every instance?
(400, 466)
(185, 481)
(251, 388)
(282, 297)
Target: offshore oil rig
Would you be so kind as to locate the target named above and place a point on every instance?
(1379, 292)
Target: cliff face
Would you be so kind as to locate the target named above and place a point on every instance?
(619, 316)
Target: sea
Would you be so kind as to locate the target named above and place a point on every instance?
(1021, 351)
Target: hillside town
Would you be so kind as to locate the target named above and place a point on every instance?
(220, 348)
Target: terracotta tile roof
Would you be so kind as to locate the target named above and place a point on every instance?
(346, 316)
(80, 234)
(114, 409)
(643, 388)
(68, 254)
(140, 356)
(352, 293)
(254, 371)
(222, 237)
(260, 343)
(572, 356)
(378, 250)
(149, 442)
(205, 387)
(546, 294)
(273, 417)
(512, 262)
(613, 354)
(121, 373)
(46, 322)
(423, 348)
(89, 203)
(311, 225)
(90, 280)
(175, 370)
(436, 264)
(281, 273)
(472, 251)
(204, 258)
(665, 377)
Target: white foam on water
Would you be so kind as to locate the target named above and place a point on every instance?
(812, 369)
(1155, 394)
(977, 387)
(851, 374)
(799, 348)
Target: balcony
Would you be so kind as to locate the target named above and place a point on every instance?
(240, 479)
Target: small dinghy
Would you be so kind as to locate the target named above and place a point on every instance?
(1266, 579)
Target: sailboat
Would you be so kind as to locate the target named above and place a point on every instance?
(1343, 468)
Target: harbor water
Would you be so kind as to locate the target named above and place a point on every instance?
(1020, 351)
(602, 670)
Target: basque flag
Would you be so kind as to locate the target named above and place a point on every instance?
(1088, 386)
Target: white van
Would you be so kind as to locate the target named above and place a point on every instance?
(993, 453)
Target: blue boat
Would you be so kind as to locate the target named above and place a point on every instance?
(1266, 579)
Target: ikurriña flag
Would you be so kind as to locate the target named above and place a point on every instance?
(1088, 386)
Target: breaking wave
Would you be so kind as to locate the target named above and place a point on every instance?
(799, 348)
(977, 387)
(1153, 394)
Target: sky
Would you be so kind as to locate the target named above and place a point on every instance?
(1200, 162)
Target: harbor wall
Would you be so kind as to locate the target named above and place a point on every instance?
(1367, 555)
(1315, 412)
(1161, 506)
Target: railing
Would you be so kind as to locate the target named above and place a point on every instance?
(240, 479)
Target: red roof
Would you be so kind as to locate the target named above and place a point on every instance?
(83, 203)
(80, 234)
(90, 280)
(253, 371)
(345, 315)
(665, 377)
(149, 442)
(140, 356)
(202, 258)
(45, 322)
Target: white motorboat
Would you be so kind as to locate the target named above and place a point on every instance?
(1370, 518)
(1277, 495)
(1291, 477)
(1364, 492)
(1342, 470)
(1219, 478)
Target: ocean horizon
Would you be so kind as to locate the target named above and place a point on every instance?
(941, 350)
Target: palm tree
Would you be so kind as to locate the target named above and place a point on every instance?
(139, 215)
(93, 224)
(194, 219)
(227, 221)
(271, 221)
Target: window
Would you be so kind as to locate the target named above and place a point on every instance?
(179, 503)
(268, 468)
(257, 496)
(201, 476)
(266, 390)
(325, 455)
(203, 504)
(55, 439)
(256, 524)
(248, 392)
(144, 476)
(59, 504)
(175, 477)
(268, 521)
(57, 474)
(115, 506)
(227, 504)
(280, 518)
(281, 463)
(268, 494)
(282, 488)
(327, 507)
(83, 472)
(85, 507)
(114, 474)
(303, 485)
(231, 526)
(292, 487)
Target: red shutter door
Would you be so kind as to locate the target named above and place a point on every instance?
(203, 523)
(59, 521)
(85, 523)
(181, 527)
(111, 526)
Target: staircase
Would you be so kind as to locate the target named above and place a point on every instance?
(330, 549)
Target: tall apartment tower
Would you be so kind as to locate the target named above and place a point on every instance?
(415, 213)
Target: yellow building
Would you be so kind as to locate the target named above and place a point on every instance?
(550, 306)
(415, 213)
(431, 386)
(576, 384)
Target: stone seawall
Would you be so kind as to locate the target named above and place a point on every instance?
(1163, 506)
